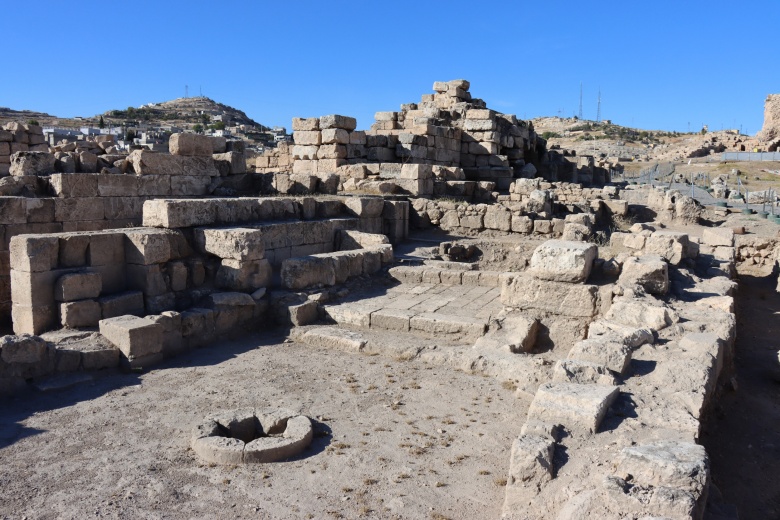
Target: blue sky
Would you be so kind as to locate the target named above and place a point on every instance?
(659, 65)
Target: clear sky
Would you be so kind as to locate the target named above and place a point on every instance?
(659, 65)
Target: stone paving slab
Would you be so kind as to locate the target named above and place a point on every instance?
(428, 308)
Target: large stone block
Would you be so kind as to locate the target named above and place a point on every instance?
(23, 348)
(179, 213)
(307, 137)
(245, 276)
(135, 337)
(651, 272)
(152, 163)
(337, 121)
(231, 243)
(718, 237)
(29, 319)
(70, 185)
(84, 313)
(671, 245)
(563, 261)
(131, 302)
(640, 314)
(77, 286)
(190, 144)
(34, 253)
(611, 354)
(517, 333)
(302, 272)
(566, 299)
(190, 185)
(230, 163)
(583, 372)
(32, 163)
(305, 124)
(580, 408)
(82, 209)
(117, 185)
(146, 246)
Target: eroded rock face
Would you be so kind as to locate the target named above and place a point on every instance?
(32, 163)
(771, 129)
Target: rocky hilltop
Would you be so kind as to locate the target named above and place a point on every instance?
(771, 129)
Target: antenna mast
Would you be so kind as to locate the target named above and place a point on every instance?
(598, 110)
(580, 113)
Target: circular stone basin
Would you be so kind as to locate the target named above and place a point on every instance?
(245, 436)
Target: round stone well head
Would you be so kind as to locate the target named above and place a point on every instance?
(245, 436)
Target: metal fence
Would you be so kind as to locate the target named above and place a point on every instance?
(751, 156)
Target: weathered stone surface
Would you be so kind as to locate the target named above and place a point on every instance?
(583, 372)
(302, 272)
(34, 253)
(24, 348)
(651, 272)
(152, 163)
(337, 121)
(530, 467)
(613, 355)
(563, 261)
(83, 313)
(135, 337)
(671, 245)
(580, 408)
(190, 144)
(179, 213)
(232, 243)
(517, 333)
(718, 237)
(640, 314)
(32, 163)
(668, 463)
(246, 275)
(566, 299)
(144, 246)
(632, 337)
(131, 302)
(77, 286)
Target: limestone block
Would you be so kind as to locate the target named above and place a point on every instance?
(305, 152)
(231, 243)
(632, 337)
(583, 372)
(247, 275)
(190, 185)
(563, 261)
(34, 253)
(613, 355)
(304, 313)
(24, 348)
(667, 463)
(531, 460)
(417, 171)
(84, 313)
(121, 208)
(580, 408)
(146, 162)
(154, 185)
(307, 137)
(146, 246)
(77, 286)
(33, 288)
(230, 163)
(191, 144)
(29, 319)
(87, 162)
(718, 237)
(651, 272)
(335, 136)
(147, 279)
(528, 292)
(364, 207)
(197, 325)
(498, 217)
(179, 213)
(231, 309)
(480, 113)
(13, 210)
(435, 323)
(135, 337)
(640, 314)
(337, 121)
(517, 333)
(391, 319)
(349, 239)
(616, 207)
(105, 249)
(117, 185)
(32, 163)
(302, 272)
(522, 224)
(311, 123)
(131, 302)
(669, 244)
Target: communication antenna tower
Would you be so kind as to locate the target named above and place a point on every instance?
(186, 91)
(598, 109)
(580, 112)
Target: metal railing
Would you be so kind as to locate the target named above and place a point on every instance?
(751, 156)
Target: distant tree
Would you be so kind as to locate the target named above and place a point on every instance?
(33, 122)
(703, 131)
(198, 128)
(219, 125)
(205, 118)
(101, 123)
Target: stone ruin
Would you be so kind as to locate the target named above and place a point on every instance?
(137, 264)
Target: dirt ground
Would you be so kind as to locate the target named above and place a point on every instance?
(393, 439)
(742, 435)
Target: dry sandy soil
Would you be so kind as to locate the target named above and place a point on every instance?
(394, 439)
